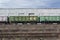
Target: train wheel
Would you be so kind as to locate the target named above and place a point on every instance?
(35, 23)
(24, 23)
(6, 23)
(32, 23)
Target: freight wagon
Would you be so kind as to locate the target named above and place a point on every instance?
(29, 15)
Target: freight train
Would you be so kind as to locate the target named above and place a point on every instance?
(29, 15)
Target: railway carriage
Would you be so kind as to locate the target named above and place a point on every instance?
(29, 15)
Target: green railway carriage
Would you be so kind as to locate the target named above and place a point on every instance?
(49, 19)
(23, 18)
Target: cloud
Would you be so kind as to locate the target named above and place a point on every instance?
(4, 1)
(28, 3)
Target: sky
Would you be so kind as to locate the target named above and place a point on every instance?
(29, 3)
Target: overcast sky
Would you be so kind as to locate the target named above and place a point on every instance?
(29, 3)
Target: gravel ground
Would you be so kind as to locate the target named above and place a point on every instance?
(30, 32)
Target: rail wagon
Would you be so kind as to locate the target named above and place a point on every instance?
(29, 15)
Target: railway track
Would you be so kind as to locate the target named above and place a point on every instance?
(30, 32)
(39, 28)
(30, 36)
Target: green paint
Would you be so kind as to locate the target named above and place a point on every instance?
(11, 18)
(23, 18)
(49, 18)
